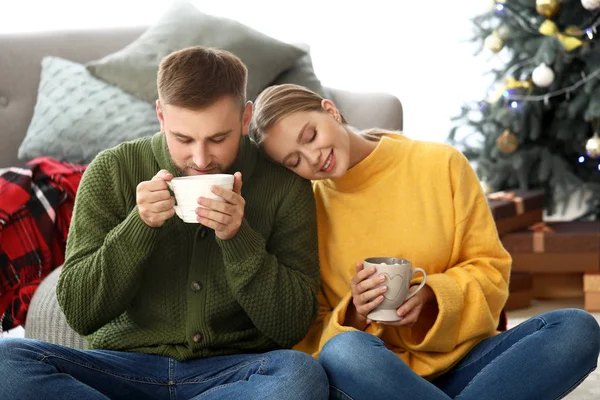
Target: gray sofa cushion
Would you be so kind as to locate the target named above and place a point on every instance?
(302, 73)
(45, 319)
(134, 68)
(76, 115)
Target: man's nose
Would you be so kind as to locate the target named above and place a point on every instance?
(200, 157)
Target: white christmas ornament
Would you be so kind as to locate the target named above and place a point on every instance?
(542, 75)
(590, 4)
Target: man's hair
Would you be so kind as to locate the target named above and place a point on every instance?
(196, 77)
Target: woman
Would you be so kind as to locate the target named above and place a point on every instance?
(381, 194)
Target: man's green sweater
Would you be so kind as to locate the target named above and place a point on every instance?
(178, 290)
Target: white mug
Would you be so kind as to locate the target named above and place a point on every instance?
(187, 190)
(398, 272)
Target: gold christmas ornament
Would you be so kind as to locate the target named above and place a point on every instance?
(507, 142)
(494, 42)
(547, 8)
(592, 147)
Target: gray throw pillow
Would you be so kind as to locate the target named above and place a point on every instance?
(302, 73)
(134, 67)
(76, 115)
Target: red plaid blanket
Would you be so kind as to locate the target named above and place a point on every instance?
(36, 203)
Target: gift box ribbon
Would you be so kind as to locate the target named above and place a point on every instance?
(509, 196)
(539, 230)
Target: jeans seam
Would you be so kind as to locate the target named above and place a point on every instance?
(331, 387)
(125, 377)
(263, 363)
(228, 372)
(172, 391)
(575, 384)
(498, 344)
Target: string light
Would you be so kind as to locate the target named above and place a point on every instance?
(514, 104)
(590, 33)
(555, 93)
(581, 159)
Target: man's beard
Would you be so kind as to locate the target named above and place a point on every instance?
(213, 168)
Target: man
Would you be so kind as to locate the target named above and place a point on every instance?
(176, 310)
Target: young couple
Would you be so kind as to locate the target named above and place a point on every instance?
(213, 310)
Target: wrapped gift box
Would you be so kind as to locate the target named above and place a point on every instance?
(591, 287)
(558, 286)
(520, 291)
(557, 254)
(516, 209)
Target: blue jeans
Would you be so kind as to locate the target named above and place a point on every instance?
(31, 369)
(545, 357)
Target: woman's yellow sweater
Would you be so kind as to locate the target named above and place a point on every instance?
(421, 201)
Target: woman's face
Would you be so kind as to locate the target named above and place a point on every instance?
(313, 144)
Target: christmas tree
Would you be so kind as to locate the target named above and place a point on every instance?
(539, 126)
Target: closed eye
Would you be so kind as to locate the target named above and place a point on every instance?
(311, 139)
(183, 140)
(296, 164)
(220, 139)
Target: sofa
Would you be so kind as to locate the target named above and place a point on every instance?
(20, 67)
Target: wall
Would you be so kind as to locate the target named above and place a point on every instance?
(408, 48)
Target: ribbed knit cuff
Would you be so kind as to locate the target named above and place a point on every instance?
(245, 243)
(134, 235)
(444, 332)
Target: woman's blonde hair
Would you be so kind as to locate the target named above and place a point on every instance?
(277, 102)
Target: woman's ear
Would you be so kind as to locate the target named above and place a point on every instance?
(330, 108)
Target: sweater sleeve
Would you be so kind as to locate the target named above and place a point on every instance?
(276, 281)
(106, 249)
(472, 291)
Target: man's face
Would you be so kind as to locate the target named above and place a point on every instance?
(204, 141)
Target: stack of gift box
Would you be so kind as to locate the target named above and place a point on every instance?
(552, 260)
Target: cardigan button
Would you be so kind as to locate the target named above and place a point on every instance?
(196, 286)
(197, 338)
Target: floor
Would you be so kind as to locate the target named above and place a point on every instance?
(588, 390)
(17, 333)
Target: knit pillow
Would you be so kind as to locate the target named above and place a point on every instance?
(77, 116)
(302, 73)
(134, 67)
